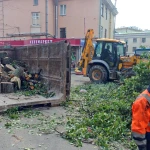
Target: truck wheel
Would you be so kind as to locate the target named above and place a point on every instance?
(98, 74)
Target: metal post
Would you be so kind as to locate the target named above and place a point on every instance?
(115, 20)
(100, 18)
(46, 17)
(56, 18)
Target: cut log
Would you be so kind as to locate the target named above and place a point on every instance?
(7, 87)
(17, 72)
(4, 77)
(10, 67)
(16, 80)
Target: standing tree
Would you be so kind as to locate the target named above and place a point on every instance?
(143, 47)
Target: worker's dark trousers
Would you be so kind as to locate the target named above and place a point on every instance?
(148, 140)
(148, 146)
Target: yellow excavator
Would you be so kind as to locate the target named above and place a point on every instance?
(105, 59)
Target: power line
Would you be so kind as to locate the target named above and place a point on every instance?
(46, 17)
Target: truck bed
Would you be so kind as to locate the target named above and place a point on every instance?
(55, 61)
(12, 100)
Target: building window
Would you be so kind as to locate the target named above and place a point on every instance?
(36, 19)
(62, 10)
(102, 10)
(62, 32)
(105, 33)
(143, 40)
(134, 40)
(35, 2)
(133, 49)
(106, 13)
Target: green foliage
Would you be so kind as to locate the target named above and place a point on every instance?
(137, 83)
(31, 119)
(39, 89)
(13, 113)
(143, 47)
(7, 125)
(100, 116)
(103, 113)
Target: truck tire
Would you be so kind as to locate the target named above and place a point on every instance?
(98, 74)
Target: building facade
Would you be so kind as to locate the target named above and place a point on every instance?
(128, 30)
(22, 19)
(75, 17)
(134, 39)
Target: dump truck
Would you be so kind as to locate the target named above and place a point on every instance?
(55, 61)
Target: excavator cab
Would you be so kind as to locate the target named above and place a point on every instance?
(109, 51)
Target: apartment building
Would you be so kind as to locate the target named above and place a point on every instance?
(61, 18)
(25, 17)
(128, 30)
(75, 17)
(134, 39)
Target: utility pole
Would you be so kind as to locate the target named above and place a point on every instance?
(46, 17)
(56, 18)
(2, 17)
(100, 18)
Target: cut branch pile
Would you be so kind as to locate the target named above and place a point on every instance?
(14, 77)
(102, 113)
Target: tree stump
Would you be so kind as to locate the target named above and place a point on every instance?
(7, 87)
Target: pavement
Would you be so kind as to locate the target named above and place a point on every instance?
(78, 80)
(23, 139)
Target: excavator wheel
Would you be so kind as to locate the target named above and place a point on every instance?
(98, 74)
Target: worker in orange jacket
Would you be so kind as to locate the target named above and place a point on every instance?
(141, 120)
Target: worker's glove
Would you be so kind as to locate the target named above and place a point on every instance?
(142, 147)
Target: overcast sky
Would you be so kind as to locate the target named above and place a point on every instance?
(133, 13)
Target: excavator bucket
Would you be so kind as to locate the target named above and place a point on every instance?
(78, 72)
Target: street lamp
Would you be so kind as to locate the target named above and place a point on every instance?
(115, 17)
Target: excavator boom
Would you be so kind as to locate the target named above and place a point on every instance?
(87, 52)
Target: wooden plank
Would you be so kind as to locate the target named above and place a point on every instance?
(12, 100)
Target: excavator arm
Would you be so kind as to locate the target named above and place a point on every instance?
(87, 52)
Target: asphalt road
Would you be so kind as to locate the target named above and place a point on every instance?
(22, 139)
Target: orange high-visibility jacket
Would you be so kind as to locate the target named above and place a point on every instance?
(141, 118)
